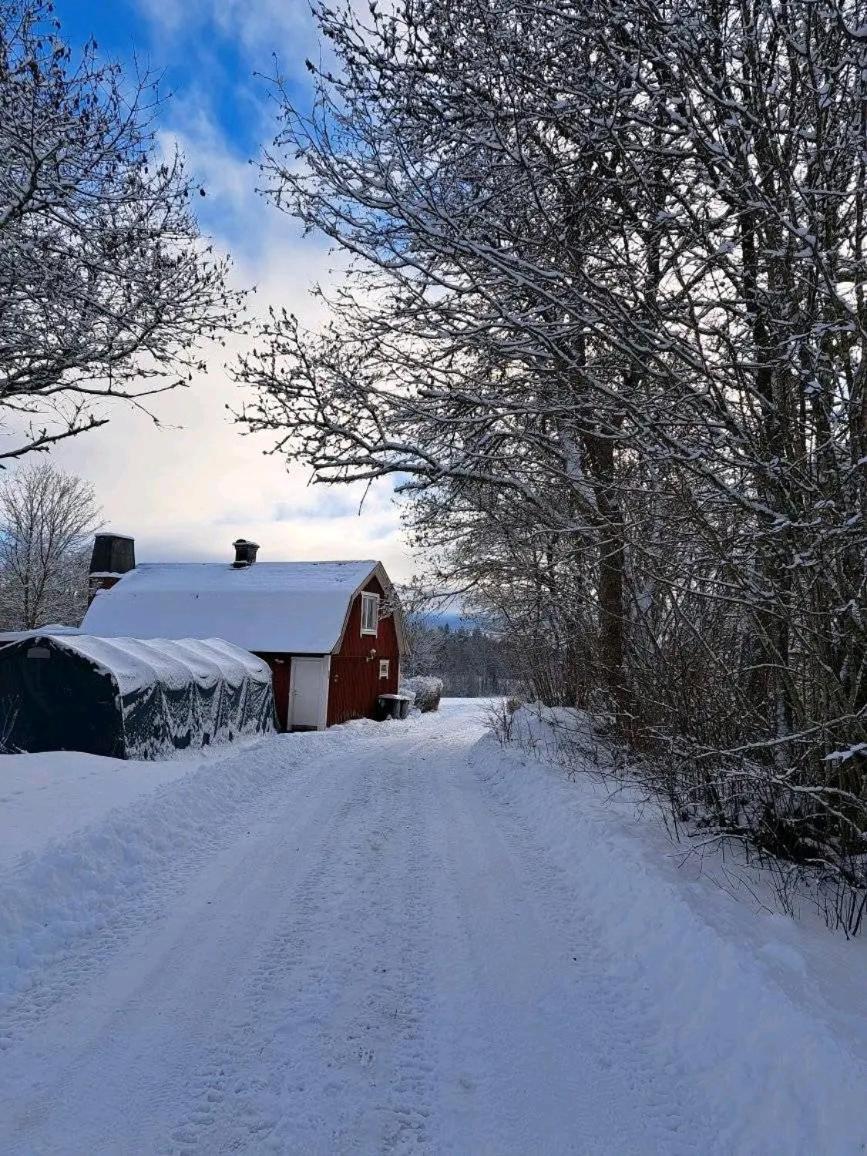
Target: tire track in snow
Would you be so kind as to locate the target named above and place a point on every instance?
(232, 1087)
(328, 1039)
(550, 1015)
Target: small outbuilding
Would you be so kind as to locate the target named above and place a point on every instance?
(331, 632)
(129, 698)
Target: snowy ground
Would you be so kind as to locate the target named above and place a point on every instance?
(397, 938)
(48, 797)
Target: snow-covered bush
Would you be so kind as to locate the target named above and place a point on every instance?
(573, 738)
(426, 691)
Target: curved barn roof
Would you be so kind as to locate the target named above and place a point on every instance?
(291, 607)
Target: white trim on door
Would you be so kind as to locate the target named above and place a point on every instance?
(319, 667)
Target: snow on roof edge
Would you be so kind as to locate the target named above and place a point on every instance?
(291, 607)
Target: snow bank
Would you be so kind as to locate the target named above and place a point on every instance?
(564, 735)
(425, 690)
(765, 1013)
(68, 881)
(50, 796)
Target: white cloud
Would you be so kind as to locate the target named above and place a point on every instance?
(271, 25)
(186, 490)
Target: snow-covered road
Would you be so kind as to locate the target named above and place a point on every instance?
(397, 939)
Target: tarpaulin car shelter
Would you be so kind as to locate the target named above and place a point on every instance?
(127, 697)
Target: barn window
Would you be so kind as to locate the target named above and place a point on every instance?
(383, 668)
(369, 613)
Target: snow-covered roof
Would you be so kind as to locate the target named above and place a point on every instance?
(135, 664)
(292, 607)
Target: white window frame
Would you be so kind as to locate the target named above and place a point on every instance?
(384, 667)
(368, 600)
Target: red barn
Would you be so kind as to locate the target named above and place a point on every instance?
(332, 632)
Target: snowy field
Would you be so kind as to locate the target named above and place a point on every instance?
(397, 938)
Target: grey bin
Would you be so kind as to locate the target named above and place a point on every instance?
(392, 706)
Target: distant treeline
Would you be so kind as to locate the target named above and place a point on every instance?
(471, 662)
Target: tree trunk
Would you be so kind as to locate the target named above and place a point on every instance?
(611, 567)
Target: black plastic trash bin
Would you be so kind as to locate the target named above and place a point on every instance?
(392, 706)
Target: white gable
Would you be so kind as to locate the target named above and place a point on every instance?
(296, 607)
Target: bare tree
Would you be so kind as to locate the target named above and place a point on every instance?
(47, 520)
(106, 288)
(606, 326)
(473, 360)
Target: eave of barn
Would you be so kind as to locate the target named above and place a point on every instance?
(353, 679)
(356, 680)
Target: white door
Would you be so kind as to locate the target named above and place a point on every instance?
(308, 692)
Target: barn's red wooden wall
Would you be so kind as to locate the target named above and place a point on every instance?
(97, 582)
(281, 665)
(354, 681)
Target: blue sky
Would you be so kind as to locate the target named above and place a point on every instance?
(212, 58)
(186, 490)
(197, 53)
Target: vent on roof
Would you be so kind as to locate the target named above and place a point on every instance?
(245, 553)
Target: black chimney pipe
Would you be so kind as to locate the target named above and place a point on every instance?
(113, 555)
(245, 553)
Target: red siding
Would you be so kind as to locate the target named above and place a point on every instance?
(103, 582)
(281, 665)
(355, 683)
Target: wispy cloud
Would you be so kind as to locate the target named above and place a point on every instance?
(186, 490)
(256, 25)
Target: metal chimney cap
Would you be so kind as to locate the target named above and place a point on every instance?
(245, 553)
(112, 554)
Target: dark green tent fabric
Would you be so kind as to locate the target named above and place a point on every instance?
(129, 698)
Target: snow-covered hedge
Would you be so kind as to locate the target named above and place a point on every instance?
(426, 691)
(562, 734)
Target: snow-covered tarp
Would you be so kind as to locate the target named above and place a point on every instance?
(291, 607)
(52, 628)
(128, 697)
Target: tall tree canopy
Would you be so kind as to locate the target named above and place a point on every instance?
(106, 288)
(606, 325)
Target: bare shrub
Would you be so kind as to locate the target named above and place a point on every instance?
(500, 718)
